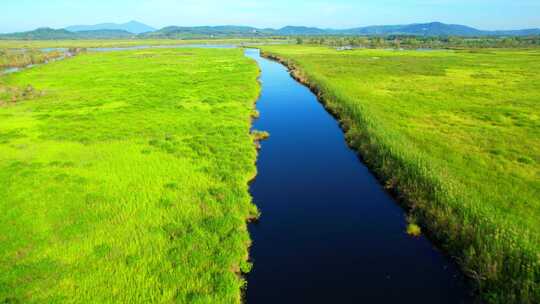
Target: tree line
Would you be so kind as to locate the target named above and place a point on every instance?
(418, 42)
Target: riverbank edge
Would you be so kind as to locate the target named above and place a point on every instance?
(247, 265)
(449, 229)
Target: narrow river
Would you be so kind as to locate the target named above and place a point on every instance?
(329, 233)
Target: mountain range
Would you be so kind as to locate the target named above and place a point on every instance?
(420, 29)
(134, 29)
(46, 33)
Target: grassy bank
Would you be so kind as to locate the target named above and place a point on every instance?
(456, 135)
(16, 59)
(125, 42)
(125, 180)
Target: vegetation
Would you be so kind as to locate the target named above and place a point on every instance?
(126, 179)
(378, 42)
(17, 59)
(90, 43)
(260, 135)
(422, 42)
(414, 230)
(456, 135)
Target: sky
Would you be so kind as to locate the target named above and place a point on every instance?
(23, 15)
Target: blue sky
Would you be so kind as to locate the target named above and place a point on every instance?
(20, 15)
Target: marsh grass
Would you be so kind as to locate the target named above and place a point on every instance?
(21, 58)
(413, 229)
(456, 135)
(260, 135)
(127, 182)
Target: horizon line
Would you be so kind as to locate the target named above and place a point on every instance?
(273, 28)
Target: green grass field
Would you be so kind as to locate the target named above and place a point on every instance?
(124, 178)
(457, 135)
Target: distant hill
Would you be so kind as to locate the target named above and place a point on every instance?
(138, 30)
(525, 32)
(133, 27)
(173, 32)
(419, 29)
(301, 30)
(40, 33)
(435, 29)
(52, 34)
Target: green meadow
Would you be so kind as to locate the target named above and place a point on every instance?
(456, 135)
(124, 178)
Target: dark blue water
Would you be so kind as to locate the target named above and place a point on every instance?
(329, 233)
